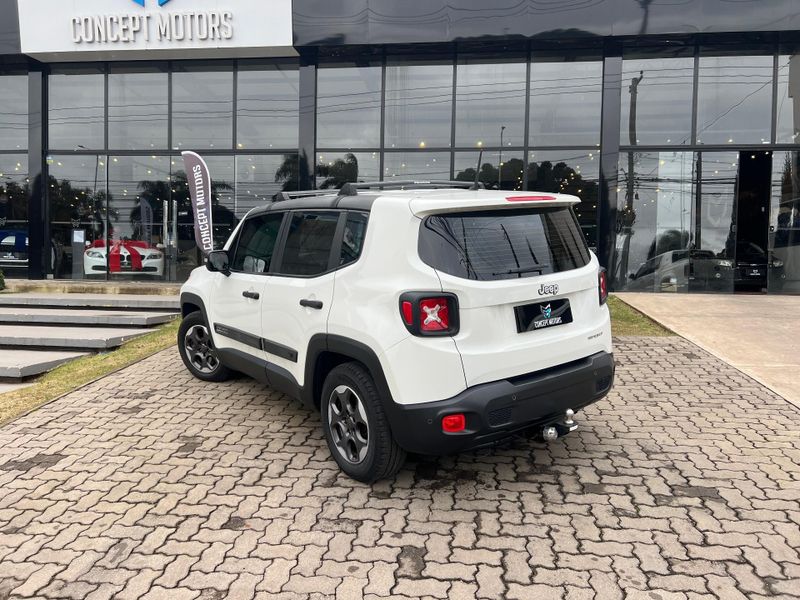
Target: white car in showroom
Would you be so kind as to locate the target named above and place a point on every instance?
(127, 257)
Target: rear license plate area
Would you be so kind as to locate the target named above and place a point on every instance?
(542, 315)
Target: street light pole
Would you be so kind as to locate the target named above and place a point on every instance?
(500, 165)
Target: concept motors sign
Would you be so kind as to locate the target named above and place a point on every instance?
(161, 26)
(71, 30)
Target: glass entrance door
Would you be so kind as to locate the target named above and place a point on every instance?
(139, 218)
(784, 224)
(752, 258)
(111, 217)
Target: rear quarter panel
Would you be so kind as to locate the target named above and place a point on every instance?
(366, 308)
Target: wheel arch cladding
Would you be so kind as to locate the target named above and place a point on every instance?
(192, 303)
(326, 352)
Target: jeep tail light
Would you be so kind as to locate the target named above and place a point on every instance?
(434, 314)
(429, 314)
(602, 285)
(454, 423)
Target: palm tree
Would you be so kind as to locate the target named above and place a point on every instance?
(289, 173)
(339, 172)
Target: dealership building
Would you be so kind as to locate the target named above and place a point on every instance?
(676, 123)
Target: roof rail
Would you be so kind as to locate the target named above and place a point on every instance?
(351, 189)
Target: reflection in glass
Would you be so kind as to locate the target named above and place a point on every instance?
(496, 167)
(659, 91)
(202, 110)
(336, 168)
(416, 165)
(788, 99)
(266, 107)
(714, 239)
(14, 187)
(223, 204)
(139, 191)
(77, 111)
(565, 103)
(576, 173)
(14, 112)
(734, 100)
(348, 107)
(137, 110)
(419, 100)
(654, 222)
(784, 229)
(258, 180)
(78, 212)
(490, 97)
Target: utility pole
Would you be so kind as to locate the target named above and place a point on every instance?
(500, 165)
(645, 4)
(629, 216)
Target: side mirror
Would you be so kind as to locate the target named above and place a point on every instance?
(218, 262)
(631, 276)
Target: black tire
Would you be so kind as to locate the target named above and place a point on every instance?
(197, 350)
(380, 457)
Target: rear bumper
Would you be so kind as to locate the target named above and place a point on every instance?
(499, 409)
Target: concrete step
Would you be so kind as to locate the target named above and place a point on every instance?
(102, 301)
(63, 286)
(19, 364)
(66, 338)
(26, 315)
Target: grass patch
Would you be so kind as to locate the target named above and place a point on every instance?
(79, 372)
(626, 320)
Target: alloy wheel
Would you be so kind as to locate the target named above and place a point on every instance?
(200, 349)
(348, 424)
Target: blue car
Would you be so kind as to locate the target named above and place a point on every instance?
(13, 249)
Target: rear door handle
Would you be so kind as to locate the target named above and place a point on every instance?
(251, 295)
(311, 304)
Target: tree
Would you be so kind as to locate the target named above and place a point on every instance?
(339, 172)
(288, 174)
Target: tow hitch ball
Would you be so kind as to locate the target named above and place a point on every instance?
(560, 428)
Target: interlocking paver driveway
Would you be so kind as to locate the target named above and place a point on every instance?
(684, 483)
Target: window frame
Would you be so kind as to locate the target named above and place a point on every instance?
(336, 246)
(234, 247)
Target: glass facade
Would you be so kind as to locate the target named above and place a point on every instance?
(734, 99)
(565, 102)
(348, 107)
(657, 101)
(76, 113)
(118, 198)
(706, 143)
(14, 112)
(419, 105)
(138, 108)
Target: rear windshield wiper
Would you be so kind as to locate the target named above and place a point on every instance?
(539, 270)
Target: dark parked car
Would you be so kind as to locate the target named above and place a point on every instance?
(754, 265)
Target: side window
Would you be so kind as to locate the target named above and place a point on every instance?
(355, 230)
(309, 243)
(256, 243)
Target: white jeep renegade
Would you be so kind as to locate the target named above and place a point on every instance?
(426, 317)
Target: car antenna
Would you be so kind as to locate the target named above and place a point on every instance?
(477, 185)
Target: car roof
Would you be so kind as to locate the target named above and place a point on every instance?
(424, 200)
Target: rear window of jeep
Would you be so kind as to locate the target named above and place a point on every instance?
(494, 245)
